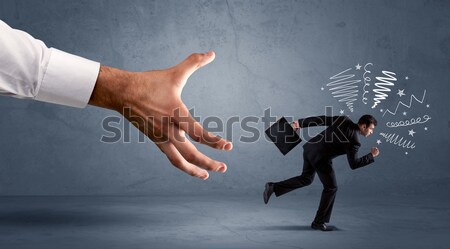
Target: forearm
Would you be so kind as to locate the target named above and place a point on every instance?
(356, 162)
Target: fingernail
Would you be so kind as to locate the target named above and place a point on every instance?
(228, 146)
(222, 168)
(204, 176)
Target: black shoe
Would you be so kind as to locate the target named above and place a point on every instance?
(268, 191)
(321, 226)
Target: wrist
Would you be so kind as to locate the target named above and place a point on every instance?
(111, 87)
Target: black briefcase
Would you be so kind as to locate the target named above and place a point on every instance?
(283, 135)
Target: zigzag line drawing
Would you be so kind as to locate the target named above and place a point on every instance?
(407, 106)
(366, 84)
(400, 141)
(344, 88)
(384, 81)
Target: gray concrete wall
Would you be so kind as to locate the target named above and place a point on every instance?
(269, 54)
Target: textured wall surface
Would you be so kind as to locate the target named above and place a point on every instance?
(269, 54)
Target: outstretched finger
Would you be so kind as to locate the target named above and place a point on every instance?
(191, 154)
(184, 120)
(194, 62)
(178, 161)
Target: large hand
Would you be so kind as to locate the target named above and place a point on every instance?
(152, 102)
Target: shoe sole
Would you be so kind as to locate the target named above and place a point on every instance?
(328, 229)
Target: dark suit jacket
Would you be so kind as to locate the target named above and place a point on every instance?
(341, 137)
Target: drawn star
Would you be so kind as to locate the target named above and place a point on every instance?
(411, 132)
(358, 67)
(406, 153)
(378, 141)
(401, 92)
(406, 78)
(428, 105)
(426, 128)
(341, 112)
(322, 88)
(404, 113)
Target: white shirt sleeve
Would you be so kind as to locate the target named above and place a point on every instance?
(29, 69)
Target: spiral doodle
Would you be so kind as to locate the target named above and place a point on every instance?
(409, 122)
(366, 84)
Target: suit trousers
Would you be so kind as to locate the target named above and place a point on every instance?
(326, 175)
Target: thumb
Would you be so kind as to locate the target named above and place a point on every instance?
(194, 62)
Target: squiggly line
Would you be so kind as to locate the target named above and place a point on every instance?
(366, 79)
(344, 88)
(410, 122)
(382, 87)
(407, 106)
(397, 140)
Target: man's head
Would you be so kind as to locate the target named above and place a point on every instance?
(366, 125)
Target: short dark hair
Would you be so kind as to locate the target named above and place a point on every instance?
(367, 120)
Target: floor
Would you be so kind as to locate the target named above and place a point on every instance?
(220, 222)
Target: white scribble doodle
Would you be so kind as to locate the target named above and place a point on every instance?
(366, 82)
(383, 86)
(412, 121)
(344, 88)
(397, 140)
(407, 106)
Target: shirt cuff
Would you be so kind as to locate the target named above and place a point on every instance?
(68, 79)
(371, 158)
